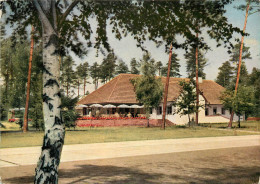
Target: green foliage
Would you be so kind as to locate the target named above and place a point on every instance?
(147, 65)
(175, 67)
(234, 57)
(158, 66)
(143, 19)
(186, 103)
(121, 67)
(35, 110)
(14, 72)
(191, 63)
(148, 89)
(134, 66)
(108, 67)
(242, 103)
(69, 114)
(254, 81)
(95, 71)
(82, 71)
(225, 75)
(68, 75)
(244, 76)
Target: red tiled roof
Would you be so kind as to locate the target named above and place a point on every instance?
(121, 91)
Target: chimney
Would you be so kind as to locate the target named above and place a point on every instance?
(199, 79)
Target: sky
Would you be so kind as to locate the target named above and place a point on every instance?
(126, 48)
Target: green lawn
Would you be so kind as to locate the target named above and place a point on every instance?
(245, 125)
(112, 134)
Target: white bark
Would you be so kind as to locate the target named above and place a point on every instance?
(47, 167)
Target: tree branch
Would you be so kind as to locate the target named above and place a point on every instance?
(66, 13)
(53, 7)
(45, 21)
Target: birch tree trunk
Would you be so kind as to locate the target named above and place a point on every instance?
(47, 167)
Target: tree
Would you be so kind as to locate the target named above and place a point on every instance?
(134, 66)
(148, 89)
(244, 76)
(159, 67)
(186, 102)
(58, 32)
(190, 61)
(234, 55)
(175, 67)
(225, 75)
(35, 112)
(25, 120)
(254, 82)
(83, 73)
(241, 103)
(247, 8)
(68, 111)
(108, 67)
(68, 75)
(95, 74)
(121, 67)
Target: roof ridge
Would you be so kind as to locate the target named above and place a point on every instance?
(119, 76)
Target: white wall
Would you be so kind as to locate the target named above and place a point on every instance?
(211, 118)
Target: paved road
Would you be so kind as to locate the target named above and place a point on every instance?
(29, 155)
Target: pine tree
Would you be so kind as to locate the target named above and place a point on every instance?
(254, 81)
(234, 57)
(159, 67)
(148, 89)
(68, 76)
(134, 66)
(95, 74)
(191, 66)
(121, 67)
(108, 67)
(82, 72)
(175, 67)
(225, 75)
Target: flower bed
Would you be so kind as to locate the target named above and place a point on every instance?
(109, 118)
(117, 122)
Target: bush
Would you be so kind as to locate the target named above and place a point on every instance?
(69, 118)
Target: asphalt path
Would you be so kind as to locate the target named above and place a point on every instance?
(11, 157)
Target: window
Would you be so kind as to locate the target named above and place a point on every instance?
(151, 110)
(85, 111)
(159, 110)
(215, 110)
(206, 112)
(169, 110)
(223, 111)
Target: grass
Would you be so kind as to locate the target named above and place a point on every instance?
(245, 125)
(10, 139)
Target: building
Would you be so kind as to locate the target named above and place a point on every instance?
(120, 91)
